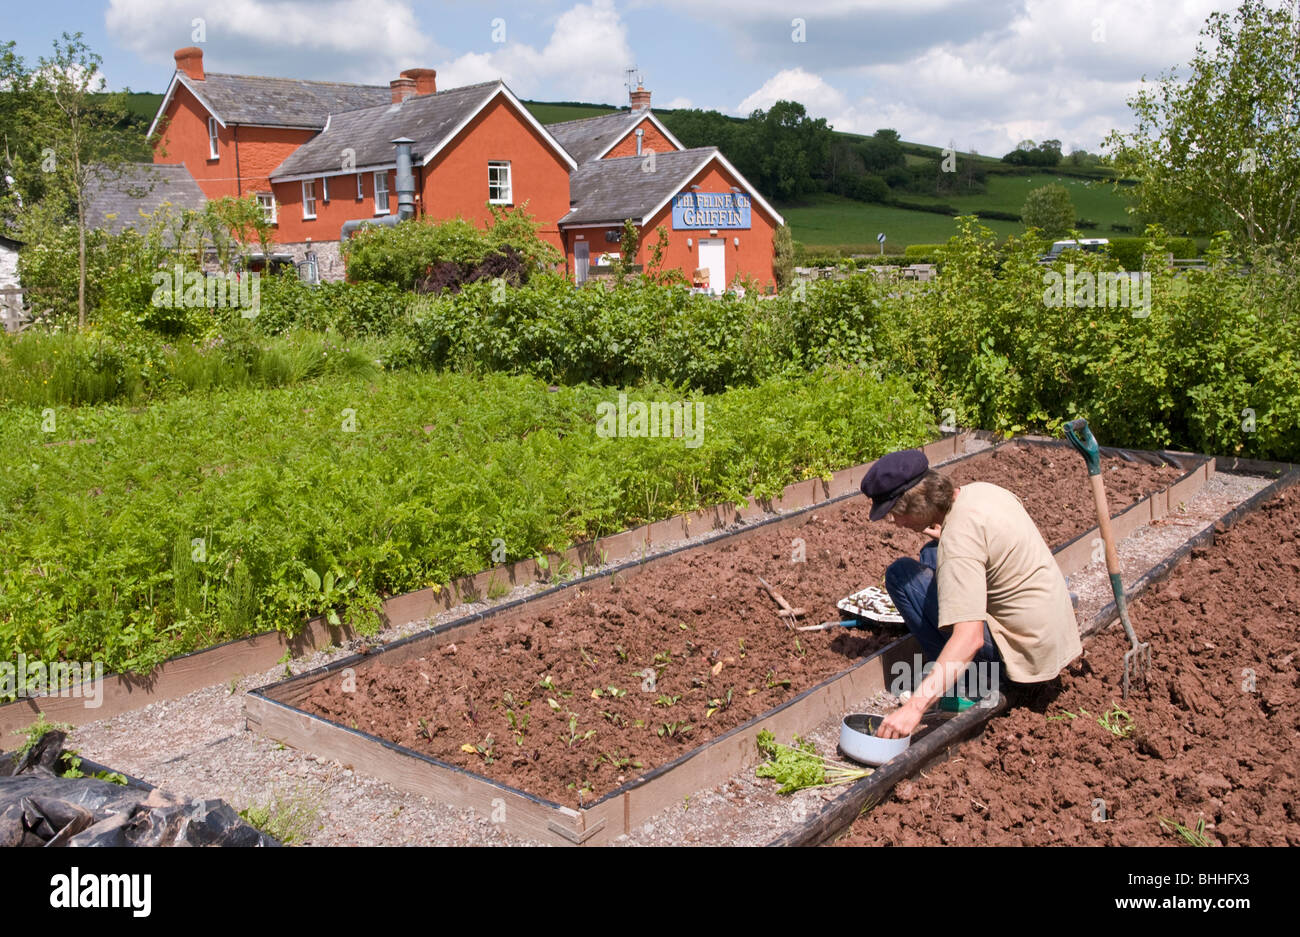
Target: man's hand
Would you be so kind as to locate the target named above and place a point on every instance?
(932, 531)
(901, 723)
(966, 641)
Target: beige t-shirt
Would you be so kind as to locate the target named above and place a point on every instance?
(994, 566)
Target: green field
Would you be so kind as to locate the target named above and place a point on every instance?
(831, 221)
(1093, 199)
(555, 113)
(826, 221)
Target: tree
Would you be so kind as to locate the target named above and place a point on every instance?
(82, 133)
(782, 256)
(16, 81)
(238, 221)
(791, 147)
(1221, 150)
(1049, 207)
(881, 151)
(731, 135)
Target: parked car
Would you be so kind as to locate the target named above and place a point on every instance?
(1092, 245)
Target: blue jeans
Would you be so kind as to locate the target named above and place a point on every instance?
(912, 588)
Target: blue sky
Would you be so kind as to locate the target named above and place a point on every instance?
(981, 74)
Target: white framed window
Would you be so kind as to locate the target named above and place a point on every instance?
(308, 198)
(324, 188)
(499, 182)
(361, 193)
(212, 138)
(266, 201)
(381, 192)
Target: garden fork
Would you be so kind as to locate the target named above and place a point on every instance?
(1137, 662)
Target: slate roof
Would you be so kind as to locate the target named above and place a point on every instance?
(606, 191)
(588, 137)
(281, 102)
(428, 119)
(140, 187)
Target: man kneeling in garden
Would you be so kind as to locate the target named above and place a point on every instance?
(986, 590)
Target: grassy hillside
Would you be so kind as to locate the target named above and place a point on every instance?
(566, 110)
(831, 221)
(827, 221)
(1094, 199)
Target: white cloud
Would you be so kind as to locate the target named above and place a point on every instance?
(1049, 70)
(344, 40)
(583, 60)
(818, 97)
(675, 103)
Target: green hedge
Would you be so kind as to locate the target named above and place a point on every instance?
(406, 252)
(915, 251)
(1130, 250)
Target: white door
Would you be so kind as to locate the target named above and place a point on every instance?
(581, 257)
(713, 256)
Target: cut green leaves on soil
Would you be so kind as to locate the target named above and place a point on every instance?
(796, 767)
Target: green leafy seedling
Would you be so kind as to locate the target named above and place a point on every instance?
(718, 704)
(1117, 722)
(574, 737)
(1194, 836)
(773, 683)
(331, 592)
(675, 730)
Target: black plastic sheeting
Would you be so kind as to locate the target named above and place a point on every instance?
(38, 807)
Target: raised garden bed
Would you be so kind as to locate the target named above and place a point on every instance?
(693, 652)
(1211, 743)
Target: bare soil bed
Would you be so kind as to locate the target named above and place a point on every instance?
(1214, 741)
(570, 702)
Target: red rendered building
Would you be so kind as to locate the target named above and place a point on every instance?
(324, 157)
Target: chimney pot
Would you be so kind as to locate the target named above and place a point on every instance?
(402, 88)
(640, 98)
(425, 79)
(190, 61)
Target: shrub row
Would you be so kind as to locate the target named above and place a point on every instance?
(1129, 251)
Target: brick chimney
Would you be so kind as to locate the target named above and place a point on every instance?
(190, 61)
(425, 79)
(640, 98)
(402, 88)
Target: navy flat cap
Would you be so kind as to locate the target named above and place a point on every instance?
(892, 475)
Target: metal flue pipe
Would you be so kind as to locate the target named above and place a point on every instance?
(405, 193)
(405, 179)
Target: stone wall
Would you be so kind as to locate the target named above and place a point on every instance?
(8, 266)
(329, 256)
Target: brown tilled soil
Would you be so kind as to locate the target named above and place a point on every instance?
(616, 682)
(1215, 739)
(1053, 484)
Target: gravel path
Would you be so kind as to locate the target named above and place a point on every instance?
(198, 746)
